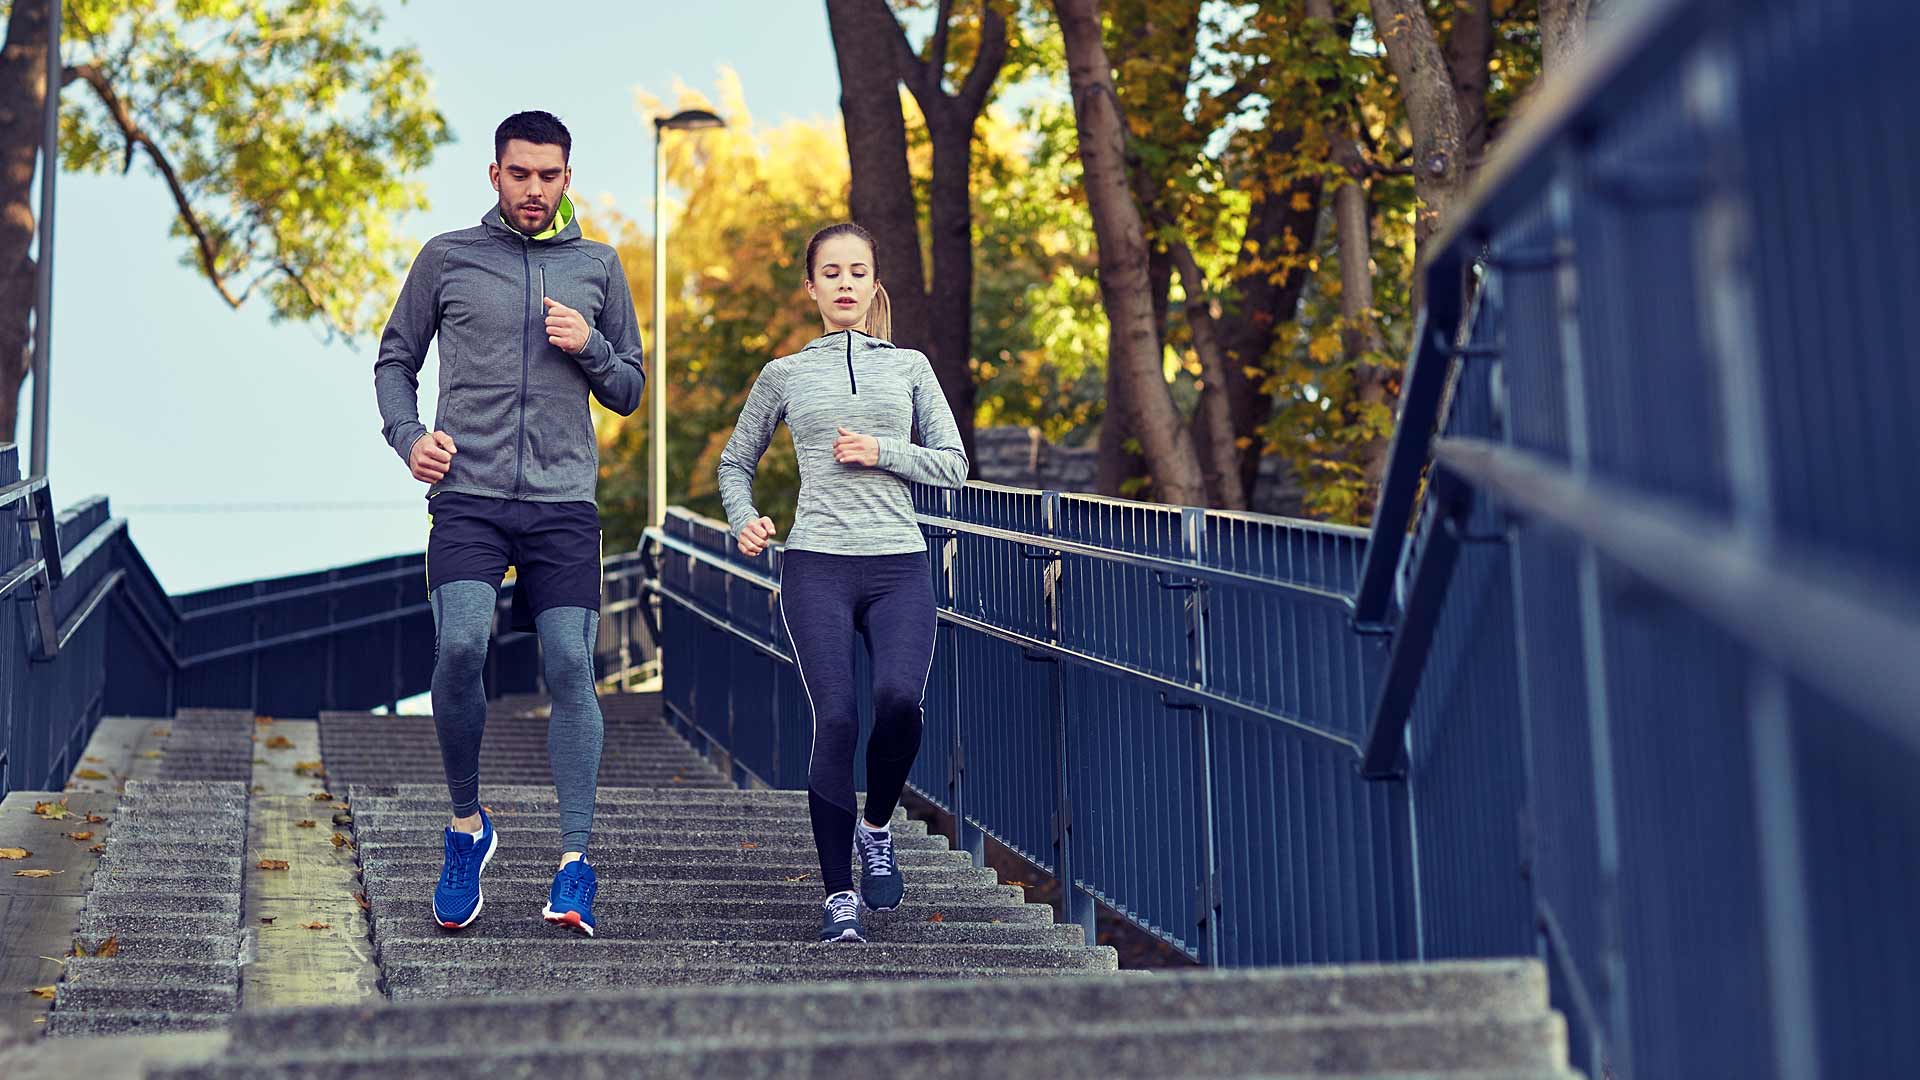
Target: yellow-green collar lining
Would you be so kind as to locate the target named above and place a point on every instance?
(561, 220)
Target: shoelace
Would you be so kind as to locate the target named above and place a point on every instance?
(842, 907)
(878, 851)
(574, 890)
(458, 853)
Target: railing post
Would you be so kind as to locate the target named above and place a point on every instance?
(1193, 528)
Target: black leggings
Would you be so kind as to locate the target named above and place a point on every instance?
(888, 599)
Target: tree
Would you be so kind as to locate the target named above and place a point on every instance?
(1563, 31)
(875, 55)
(1134, 353)
(286, 137)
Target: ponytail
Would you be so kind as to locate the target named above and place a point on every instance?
(880, 314)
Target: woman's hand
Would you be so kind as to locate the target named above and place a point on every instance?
(852, 448)
(756, 536)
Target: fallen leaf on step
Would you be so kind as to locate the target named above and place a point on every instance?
(82, 836)
(305, 823)
(257, 789)
(279, 742)
(91, 758)
(802, 877)
(317, 925)
(52, 811)
(323, 796)
(266, 920)
(361, 899)
(14, 853)
(747, 845)
(1022, 884)
(340, 840)
(154, 754)
(37, 873)
(45, 993)
(272, 864)
(936, 917)
(263, 719)
(95, 819)
(160, 732)
(309, 768)
(343, 819)
(109, 947)
(98, 849)
(89, 774)
(340, 806)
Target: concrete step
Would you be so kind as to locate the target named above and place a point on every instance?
(224, 904)
(432, 796)
(632, 857)
(148, 924)
(534, 889)
(524, 924)
(115, 971)
(1442, 1046)
(214, 945)
(1503, 987)
(619, 867)
(413, 982)
(192, 999)
(130, 1021)
(803, 909)
(381, 836)
(563, 951)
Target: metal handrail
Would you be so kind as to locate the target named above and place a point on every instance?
(1811, 622)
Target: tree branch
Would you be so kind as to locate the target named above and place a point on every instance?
(208, 247)
(986, 66)
(942, 34)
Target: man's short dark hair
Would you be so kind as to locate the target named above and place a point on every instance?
(539, 128)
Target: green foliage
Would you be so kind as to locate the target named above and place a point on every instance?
(293, 134)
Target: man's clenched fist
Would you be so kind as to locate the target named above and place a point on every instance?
(566, 328)
(432, 456)
(755, 537)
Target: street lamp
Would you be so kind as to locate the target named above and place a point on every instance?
(685, 120)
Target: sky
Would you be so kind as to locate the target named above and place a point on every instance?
(202, 424)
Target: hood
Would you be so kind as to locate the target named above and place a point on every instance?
(566, 223)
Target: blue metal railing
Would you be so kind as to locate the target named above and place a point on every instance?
(1104, 700)
(1655, 625)
(89, 632)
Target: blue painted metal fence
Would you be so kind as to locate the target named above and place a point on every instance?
(87, 631)
(1629, 659)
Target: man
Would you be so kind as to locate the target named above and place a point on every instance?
(531, 318)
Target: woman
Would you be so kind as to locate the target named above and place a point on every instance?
(855, 560)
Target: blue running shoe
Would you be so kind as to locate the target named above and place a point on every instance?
(840, 918)
(571, 901)
(457, 900)
(881, 885)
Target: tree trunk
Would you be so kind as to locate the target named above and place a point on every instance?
(881, 196)
(1267, 303)
(1213, 413)
(950, 208)
(1125, 292)
(1469, 48)
(23, 89)
(1563, 32)
(1433, 110)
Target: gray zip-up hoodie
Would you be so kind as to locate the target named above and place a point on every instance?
(847, 379)
(515, 405)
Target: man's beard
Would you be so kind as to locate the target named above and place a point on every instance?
(511, 214)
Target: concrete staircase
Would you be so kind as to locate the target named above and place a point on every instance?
(705, 963)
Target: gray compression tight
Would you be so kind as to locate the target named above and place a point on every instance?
(463, 621)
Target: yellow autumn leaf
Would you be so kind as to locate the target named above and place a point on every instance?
(83, 836)
(272, 864)
(37, 873)
(305, 823)
(1302, 202)
(45, 993)
(89, 774)
(14, 853)
(317, 925)
(52, 811)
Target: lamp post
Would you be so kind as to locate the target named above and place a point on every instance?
(43, 288)
(685, 120)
